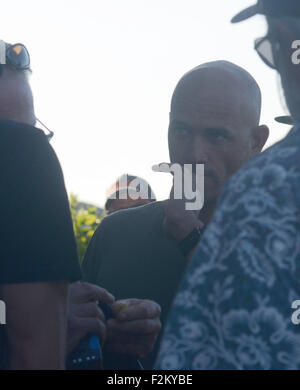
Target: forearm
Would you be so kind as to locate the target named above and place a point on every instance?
(37, 354)
(36, 325)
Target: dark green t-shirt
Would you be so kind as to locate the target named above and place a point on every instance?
(131, 256)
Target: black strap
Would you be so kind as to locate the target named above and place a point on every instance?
(190, 241)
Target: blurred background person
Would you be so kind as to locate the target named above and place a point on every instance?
(119, 198)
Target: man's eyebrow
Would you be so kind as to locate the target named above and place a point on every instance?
(181, 124)
(219, 128)
(176, 123)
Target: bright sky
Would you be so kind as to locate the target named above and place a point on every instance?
(105, 70)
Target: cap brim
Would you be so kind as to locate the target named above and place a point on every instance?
(287, 120)
(245, 14)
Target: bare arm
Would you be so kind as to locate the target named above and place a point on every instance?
(36, 324)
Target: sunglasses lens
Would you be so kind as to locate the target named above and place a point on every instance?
(18, 56)
(264, 49)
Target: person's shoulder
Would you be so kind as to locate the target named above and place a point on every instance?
(20, 141)
(282, 152)
(274, 167)
(23, 145)
(151, 211)
(10, 130)
(121, 229)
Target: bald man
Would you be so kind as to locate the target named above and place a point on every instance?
(214, 120)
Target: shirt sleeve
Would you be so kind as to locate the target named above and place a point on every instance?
(93, 256)
(36, 232)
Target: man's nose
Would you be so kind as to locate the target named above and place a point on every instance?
(199, 151)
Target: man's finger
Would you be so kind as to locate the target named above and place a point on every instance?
(135, 310)
(142, 327)
(90, 310)
(123, 304)
(91, 292)
(162, 167)
(82, 327)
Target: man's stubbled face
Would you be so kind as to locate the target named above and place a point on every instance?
(211, 124)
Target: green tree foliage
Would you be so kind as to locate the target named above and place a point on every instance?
(85, 222)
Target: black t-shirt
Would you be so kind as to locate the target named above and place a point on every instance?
(36, 232)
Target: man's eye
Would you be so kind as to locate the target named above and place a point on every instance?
(217, 136)
(181, 132)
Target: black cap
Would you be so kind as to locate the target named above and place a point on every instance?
(274, 8)
(286, 119)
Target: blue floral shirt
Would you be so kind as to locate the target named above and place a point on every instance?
(233, 308)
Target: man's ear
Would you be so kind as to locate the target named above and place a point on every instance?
(260, 136)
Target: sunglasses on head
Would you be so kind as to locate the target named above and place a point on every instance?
(16, 56)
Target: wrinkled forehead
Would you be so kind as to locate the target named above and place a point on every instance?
(211, 98)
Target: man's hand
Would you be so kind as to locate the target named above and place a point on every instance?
(179, 222)
(135, 329)
(84, 314)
